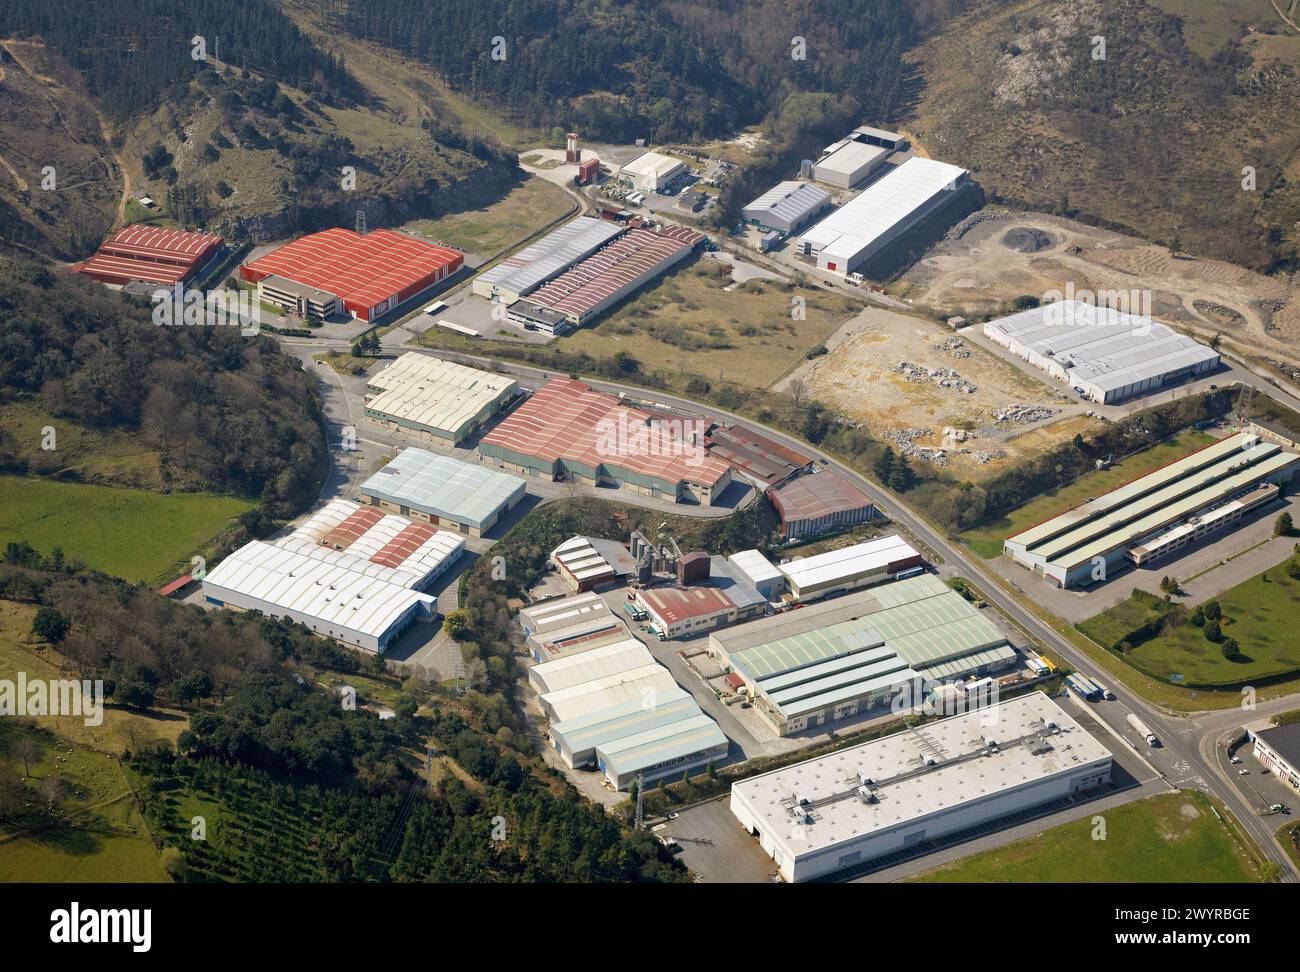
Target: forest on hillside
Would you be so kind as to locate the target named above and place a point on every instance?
(230, 411)
(139, 49)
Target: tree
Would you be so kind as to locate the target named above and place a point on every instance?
(52, 790)
(50, 626)
(1230, 649)
(1213, 611)
(1283, 526)
(902, 478)
(193, 687)
(1212, 631)
(456, 624)
(884, 465)
(12, 793)
(28, 751)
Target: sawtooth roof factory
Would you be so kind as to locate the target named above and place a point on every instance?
(866, 224)
(569, 431)
(1103, 353)
(842, 658)
(1157, 514)
(339, 271)
(439, 400)
(521, 273)
(463, 496)
(151, 254)
(902, 791)
(350, 572)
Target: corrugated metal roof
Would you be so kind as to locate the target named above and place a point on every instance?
(850, 157)
(551, 255)
(847, 562)
(660, 744)
(442, 486)
(790, 201)
(620, 721)
(755, 566)
(435, 394)
(591, 665)
(877, 209)
(602, 693)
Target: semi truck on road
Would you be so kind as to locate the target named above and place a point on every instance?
(1142, 730)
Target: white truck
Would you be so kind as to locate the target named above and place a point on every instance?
(1142, 730)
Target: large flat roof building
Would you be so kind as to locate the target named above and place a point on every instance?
(576, 739)
(758, 458)
(1106, 354)
(849, 163)
(843, 658)
(588, 666)
(439, 400)
(467, 497)
(848, 568)
(569, 431)
(370, 274)
(651, 172)
(817, 503)
(349, 572)
(557, 251)
(1146, 518)
(891, 794)
(634, 684)
(569, 625)
(787, 207)
(866, 224)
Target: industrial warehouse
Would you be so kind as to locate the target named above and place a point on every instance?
(1158, 513)
(758, 459)
(569, 431)
(843, 658)
(350, 572)
(439, 400)
(815, 504)
(523, 272)
(897, 201)
(589, 562)
(848, 164)
(847, 569)
(570, 625)
(902, 791)
(710, 592)
(589, 288)
(1101, 352)
(651, 172)
(462, 496)
(151, 254)
(787, 207)
(337, 271)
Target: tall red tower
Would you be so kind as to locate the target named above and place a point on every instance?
(572, 153)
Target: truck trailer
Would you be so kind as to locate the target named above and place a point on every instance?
(1142, 730)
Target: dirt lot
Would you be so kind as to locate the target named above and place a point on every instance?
(861, 378)
(1005, 254)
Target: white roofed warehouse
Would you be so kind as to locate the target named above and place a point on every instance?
(523, 272)
(651, 172)
(469, 498)
(849, 163)
(1106, 354)
(350, 572)
(884, 211)
(902, 791)
(439, 400)
(787, 207)
(846, 569)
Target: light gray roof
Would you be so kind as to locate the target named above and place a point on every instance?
(444, 487)
(789, 201)
(551, 255)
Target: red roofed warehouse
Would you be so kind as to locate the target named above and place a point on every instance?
(567, 430)
(150, 254)
(339, 270)
(678, 611)
(818, 502)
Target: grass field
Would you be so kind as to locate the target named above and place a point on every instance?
(95, 455)
(986, 539)
(130, 533)
(696, 321)
(1168, 839)
(121, 729)
(503, 224)
(96, 834)
(1259, 613)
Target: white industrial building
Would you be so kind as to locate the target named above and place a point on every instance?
(900, 792)
(849, 163)
(846, 569)
(586, 563)
(787, 207)
(441, 401)
(651, 172)
(467, 497)
(350, 572)
(635, 684)
(557, 251)
(1102, 352)
(882, 212)
(567, 625)
(589, 666)
(761, 572)
(576, 739)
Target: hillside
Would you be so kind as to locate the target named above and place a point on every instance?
(251, 138)
(1152, 139)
